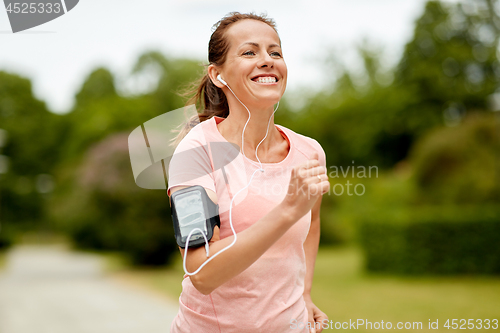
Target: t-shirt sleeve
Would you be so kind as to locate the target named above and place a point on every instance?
(321, 152)
(191, 165)
(322, 156)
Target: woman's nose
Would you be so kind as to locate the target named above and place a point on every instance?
(265, 61)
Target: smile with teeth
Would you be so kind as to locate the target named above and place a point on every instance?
(265, 79)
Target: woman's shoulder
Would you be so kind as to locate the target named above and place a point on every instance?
(200, 134)
(304, 144)
(300, 140)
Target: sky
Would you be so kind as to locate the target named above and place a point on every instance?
(58, 55)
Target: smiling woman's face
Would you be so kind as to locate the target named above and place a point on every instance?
(254, 67)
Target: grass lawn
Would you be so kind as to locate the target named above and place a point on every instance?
(344, 292)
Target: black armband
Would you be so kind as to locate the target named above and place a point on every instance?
(191, 209)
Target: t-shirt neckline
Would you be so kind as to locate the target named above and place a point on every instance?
(216, 120)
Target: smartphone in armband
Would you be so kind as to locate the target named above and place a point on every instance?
(192, 208)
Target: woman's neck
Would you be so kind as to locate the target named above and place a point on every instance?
(232, 127)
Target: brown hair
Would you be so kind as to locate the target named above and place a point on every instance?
(207, 96)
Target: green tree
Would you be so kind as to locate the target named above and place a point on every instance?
(32, 150)
(104, 209)
(451, 64)
(173, 78)
(449, 68)
(98, 202)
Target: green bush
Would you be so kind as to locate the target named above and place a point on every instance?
(459, 164)
(6, 239)
(103, 208)
(433, 240)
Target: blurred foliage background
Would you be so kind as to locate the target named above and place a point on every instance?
(420, 141)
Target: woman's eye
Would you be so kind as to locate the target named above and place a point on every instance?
(249, 53)
(275, 54)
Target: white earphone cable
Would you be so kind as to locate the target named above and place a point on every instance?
(232, 200)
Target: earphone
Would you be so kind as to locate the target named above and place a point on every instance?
(219, 78)
(223, 82)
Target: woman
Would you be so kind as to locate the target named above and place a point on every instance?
(262, 282)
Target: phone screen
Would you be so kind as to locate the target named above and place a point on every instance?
(191, 214)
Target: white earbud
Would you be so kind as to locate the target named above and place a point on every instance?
(221, 80)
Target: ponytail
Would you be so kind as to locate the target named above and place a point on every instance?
(209, 98)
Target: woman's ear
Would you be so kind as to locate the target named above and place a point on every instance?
(212, 74)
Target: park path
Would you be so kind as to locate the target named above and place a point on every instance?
(46, 289)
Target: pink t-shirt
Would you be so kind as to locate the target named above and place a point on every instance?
(267, 296)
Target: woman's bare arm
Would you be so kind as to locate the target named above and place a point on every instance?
(311, 246)
(304, 190)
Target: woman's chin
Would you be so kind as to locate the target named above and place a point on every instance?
(267, 101)
(263, 106)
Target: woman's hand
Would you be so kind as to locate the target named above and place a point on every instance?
(308, 182)
(315, 316)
